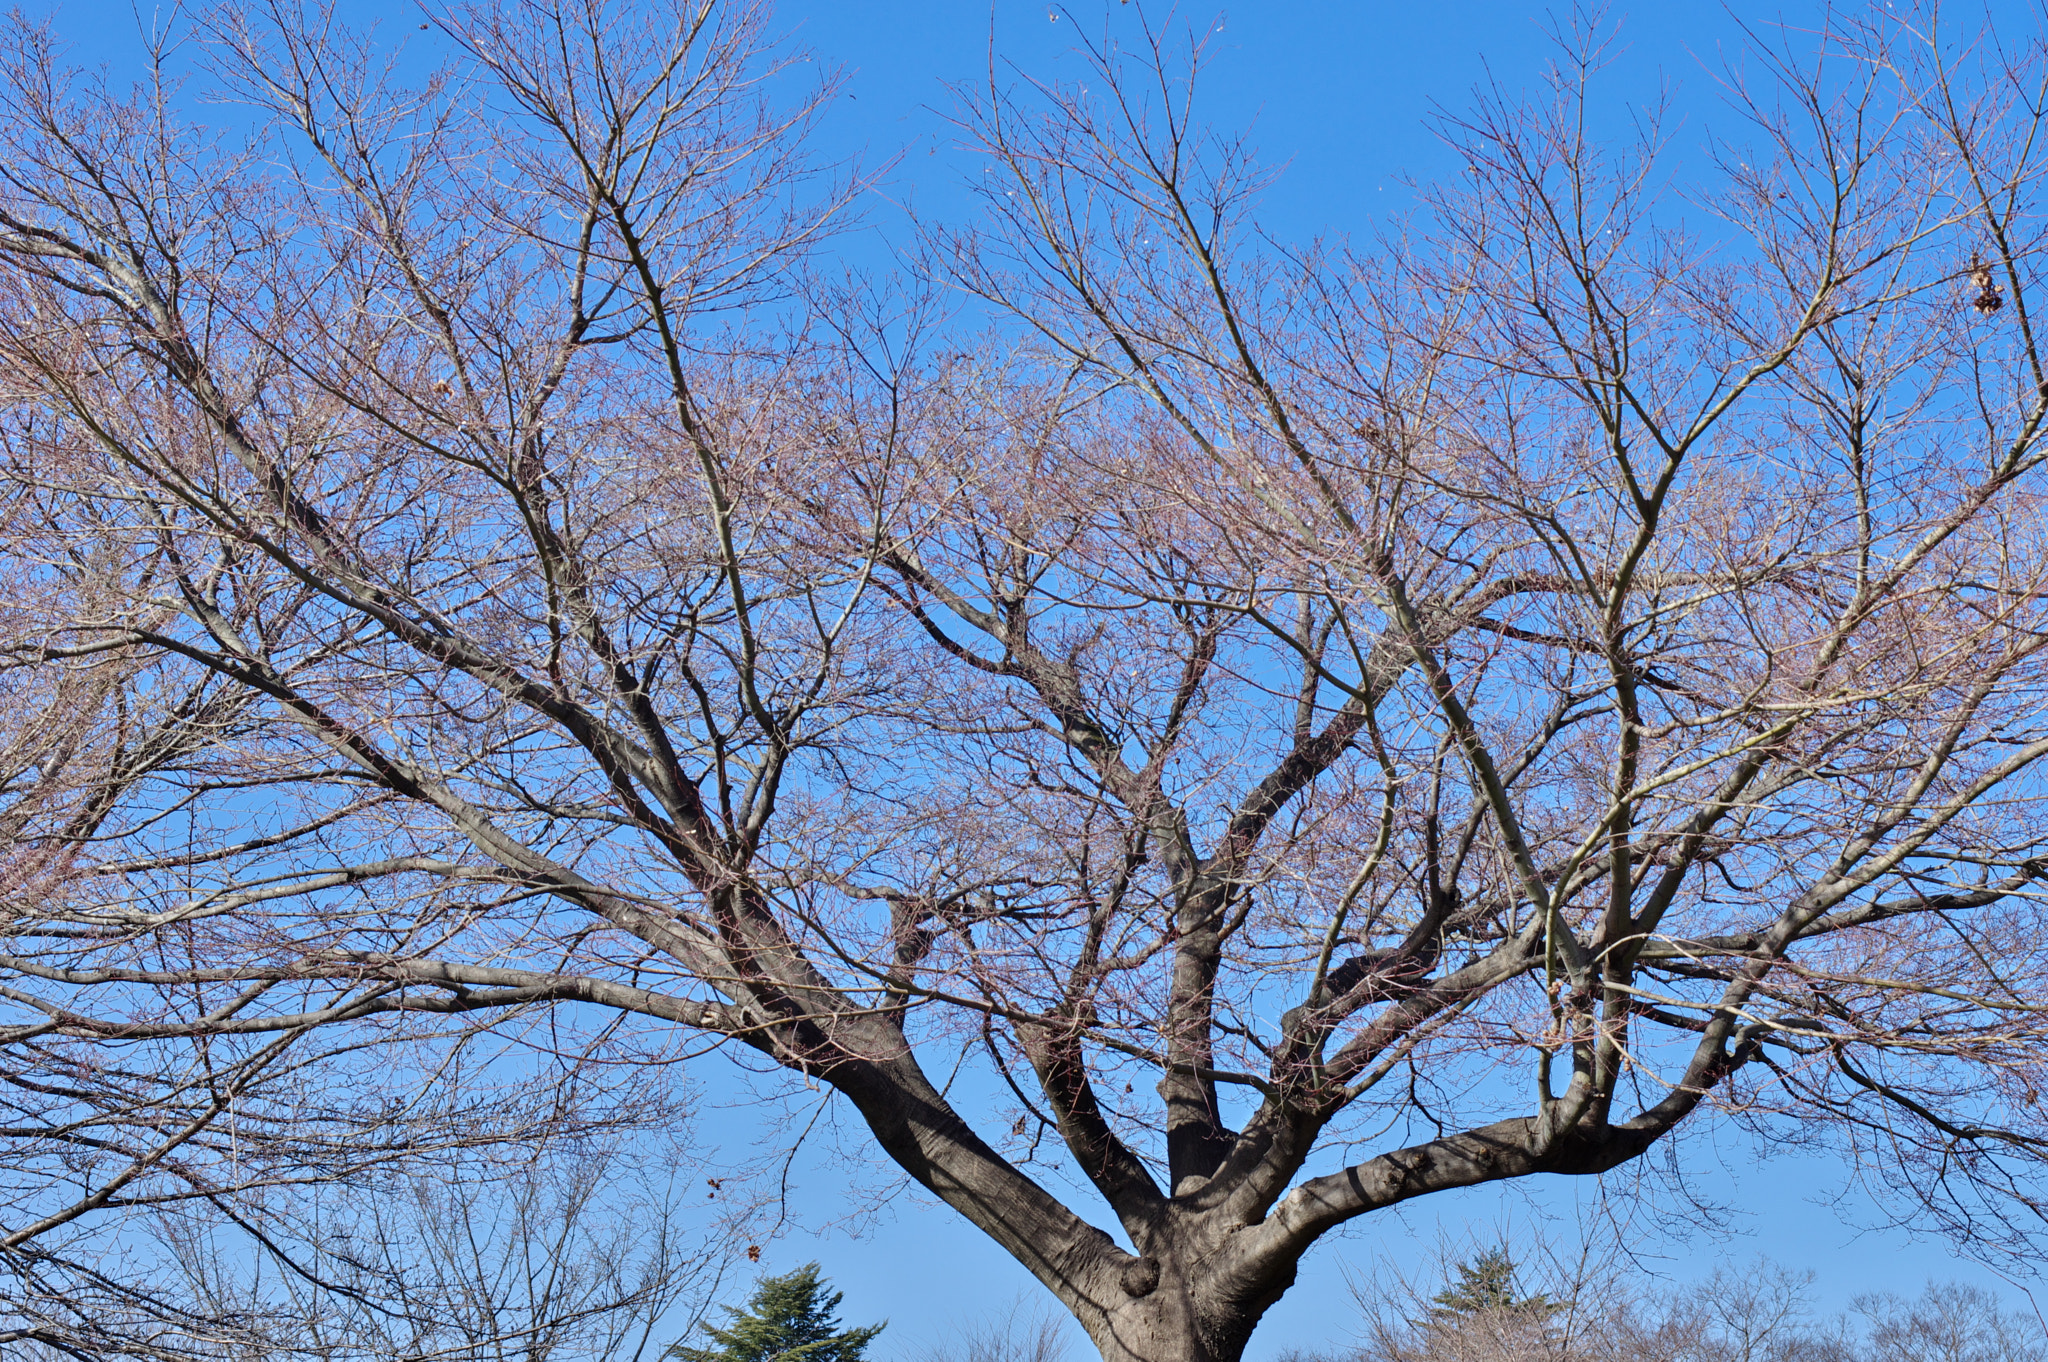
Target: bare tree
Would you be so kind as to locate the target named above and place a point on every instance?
(1752, 1313)
(123, 1153)
(1949, 1322)
(576, 1255)
(582, 1255)
(1021, 1334)
(1478, 702)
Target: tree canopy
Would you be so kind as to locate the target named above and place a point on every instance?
(497, 609)
(789, 1318)
(1487, 1282)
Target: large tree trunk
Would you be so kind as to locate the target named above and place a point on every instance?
(1165, 1312)
(1163, 1327)
(1173, 1322)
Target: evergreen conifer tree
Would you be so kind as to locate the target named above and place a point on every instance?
(1485, 1283)
(1483, 1314)
(788, 1319)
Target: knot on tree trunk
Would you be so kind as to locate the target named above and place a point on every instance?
(1140, 1276)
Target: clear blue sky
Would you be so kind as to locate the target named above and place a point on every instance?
(1339, 92)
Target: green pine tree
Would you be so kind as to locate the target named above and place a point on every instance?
(1488, 1283)
(788, 1319)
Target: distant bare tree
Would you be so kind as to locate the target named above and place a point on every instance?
(1948, 1322)
(1021, 1334)
(573, 1258)
(569, 1257)
(1612, 1313)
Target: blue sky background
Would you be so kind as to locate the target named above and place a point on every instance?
(1339, 92)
